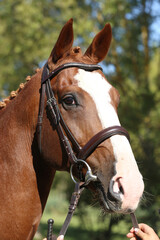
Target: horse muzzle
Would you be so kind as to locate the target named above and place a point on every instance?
(122, 194)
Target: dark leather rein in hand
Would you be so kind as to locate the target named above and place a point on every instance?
(80, 154)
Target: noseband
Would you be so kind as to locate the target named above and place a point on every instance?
(80, 154)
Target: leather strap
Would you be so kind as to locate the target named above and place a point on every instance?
(87, 67)
(97, 139)
(134, 223)
(40, 115)
(72, 207)
(41, 105)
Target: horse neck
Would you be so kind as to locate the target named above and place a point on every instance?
(22, 115)
(44, 172)
(19, 118)
(28, 105)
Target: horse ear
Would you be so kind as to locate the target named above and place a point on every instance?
(63, 44)
(100, 44)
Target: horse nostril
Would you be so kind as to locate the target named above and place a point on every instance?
(115, 190)
(121, 190)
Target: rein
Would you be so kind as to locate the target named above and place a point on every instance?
(80, 154)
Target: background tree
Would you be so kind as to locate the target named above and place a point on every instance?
(28, 31)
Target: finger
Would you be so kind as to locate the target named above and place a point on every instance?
(145, 228)
(133, 238)
(130, 235)
(61, 237)
(139, 233)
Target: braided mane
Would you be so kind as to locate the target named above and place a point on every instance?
(13, 94)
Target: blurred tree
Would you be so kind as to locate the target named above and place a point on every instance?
(29, 29)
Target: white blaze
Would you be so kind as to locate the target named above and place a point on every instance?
(127, 171)
(98, 88)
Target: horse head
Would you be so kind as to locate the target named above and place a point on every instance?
(88, 105)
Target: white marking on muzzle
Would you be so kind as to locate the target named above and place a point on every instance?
(126, 167)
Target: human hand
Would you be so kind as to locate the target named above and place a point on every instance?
(61, 237)
(144, 232)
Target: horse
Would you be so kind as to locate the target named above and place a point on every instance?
(76, 123)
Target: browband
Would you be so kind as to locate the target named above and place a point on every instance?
(87, 67)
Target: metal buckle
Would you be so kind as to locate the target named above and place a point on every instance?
(89, 175)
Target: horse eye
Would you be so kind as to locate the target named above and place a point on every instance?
(69, 100)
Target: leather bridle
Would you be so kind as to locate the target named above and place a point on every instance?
(56, 119)
(79, 154)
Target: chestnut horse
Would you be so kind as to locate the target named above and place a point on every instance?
(88, 104)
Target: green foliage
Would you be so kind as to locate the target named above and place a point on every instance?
(28, 31)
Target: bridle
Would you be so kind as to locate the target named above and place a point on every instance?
(58, 123)
(79, 154)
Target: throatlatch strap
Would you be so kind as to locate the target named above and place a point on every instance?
(40, 115)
